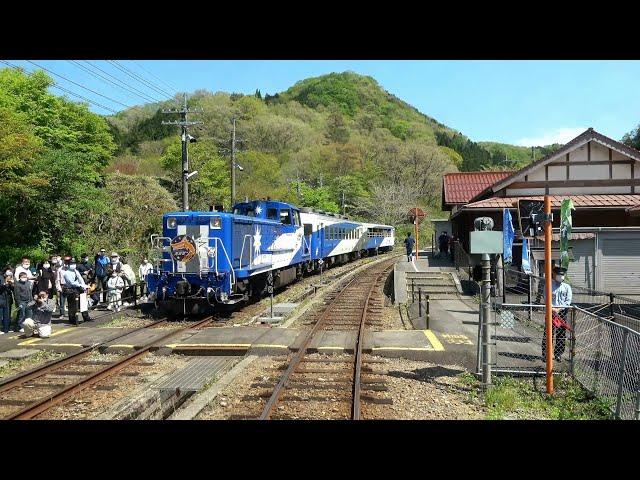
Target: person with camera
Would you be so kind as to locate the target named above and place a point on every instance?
(40, 324)
(73, 287)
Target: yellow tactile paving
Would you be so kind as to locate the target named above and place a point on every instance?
(456, 339)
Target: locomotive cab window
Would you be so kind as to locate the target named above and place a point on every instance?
(272, 213)
(296, 218)
(285, 217)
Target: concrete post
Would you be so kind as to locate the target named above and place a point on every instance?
(486, 315)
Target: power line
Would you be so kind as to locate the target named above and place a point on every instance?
(137, 77)
(157, 78)
(106, 80)
(55, 85)
(79, 85)
(144, 95)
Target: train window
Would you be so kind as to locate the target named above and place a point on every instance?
(285, 217)
(272, 213)
(296, 218)
(308, 229)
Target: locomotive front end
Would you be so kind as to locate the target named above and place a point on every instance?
(193, 266)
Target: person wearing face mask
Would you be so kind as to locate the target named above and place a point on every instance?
(145, 269)
(60, 282)
(116, 285)
(25, 266)
(23, 298)
(115, 265)
(85, 268)
(74, 286)
(9, 282)
(6, 299)
(561, 297)
(102, 262)
(46, 278)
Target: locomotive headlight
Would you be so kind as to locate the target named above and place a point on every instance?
(172, 222)
(215, 222)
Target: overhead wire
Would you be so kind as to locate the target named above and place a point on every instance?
(157, 78)
(55, 85)
(131, 93)
(138, 78)
(79, 85)
(118, 80)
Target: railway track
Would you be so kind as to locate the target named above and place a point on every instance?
(315, 385)
(37, 390)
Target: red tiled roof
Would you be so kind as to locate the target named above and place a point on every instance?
(460, 187)
(602, 201)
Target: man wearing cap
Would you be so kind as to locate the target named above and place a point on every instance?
(74, 286)
(561, 296)
(102, 276)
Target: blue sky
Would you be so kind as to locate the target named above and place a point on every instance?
(517, 102)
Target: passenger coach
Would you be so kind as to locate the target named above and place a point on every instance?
(220, 258)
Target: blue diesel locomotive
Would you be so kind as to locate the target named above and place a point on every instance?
(208, 259)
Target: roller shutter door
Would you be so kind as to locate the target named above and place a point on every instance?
(621, 265)
(580, 271)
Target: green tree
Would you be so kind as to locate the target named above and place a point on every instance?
(211, 185)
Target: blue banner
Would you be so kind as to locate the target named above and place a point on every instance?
(508, 235)
(526, 266)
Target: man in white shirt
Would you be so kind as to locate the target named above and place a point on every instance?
(74, 286)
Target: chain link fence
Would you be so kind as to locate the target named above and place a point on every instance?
(606, 361)
(519, 338)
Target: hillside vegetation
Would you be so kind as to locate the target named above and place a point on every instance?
(74, 181)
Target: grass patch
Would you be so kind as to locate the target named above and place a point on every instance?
(525, 399)
(16, 366)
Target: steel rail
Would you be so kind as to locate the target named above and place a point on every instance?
(355, 412)
(21, 378)
(40, 406)
(296, 360)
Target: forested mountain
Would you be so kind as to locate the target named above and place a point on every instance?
(74, 181)
(324, 137)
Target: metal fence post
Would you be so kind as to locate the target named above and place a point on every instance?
(413, 293)
(637, 416)
(611, 300)
(529, 296)
(596, 377)
(572, 341)
(625, 336)
(427, 312)
(420, 302)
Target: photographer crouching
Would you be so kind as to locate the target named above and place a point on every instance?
(40, 324)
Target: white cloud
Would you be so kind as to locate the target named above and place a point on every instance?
(559, 135)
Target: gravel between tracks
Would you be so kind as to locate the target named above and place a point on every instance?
(419, 390)
(92, 402)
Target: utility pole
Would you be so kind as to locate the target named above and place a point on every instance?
(298, 184)
(233, 164)
(548, 290)
(184, 123)
(343, 206)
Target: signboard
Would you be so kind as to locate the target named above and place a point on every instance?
(416, 215)
(485, 242)
(183, 248)
(530, 215)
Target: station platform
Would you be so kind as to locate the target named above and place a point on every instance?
(254, 340)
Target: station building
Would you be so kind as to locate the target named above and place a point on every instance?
(600, 175)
